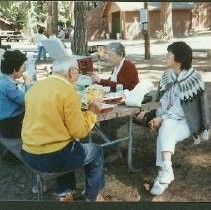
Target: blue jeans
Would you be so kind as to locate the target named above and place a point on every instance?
(41, 53)
(72, 156)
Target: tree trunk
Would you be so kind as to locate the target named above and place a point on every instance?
(49, 19)
(147, 37)
(30, 23)
(55, 17)
(71, 14)
(166, 19)
(79, 43)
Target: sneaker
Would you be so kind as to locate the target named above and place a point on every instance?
(167, 175)
(158, 189)
(35, 190)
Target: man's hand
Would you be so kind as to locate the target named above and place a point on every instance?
(95, 106)
(155, 123)
(140, 115)
(27, 78)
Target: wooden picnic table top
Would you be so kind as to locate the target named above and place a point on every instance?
(123, 111)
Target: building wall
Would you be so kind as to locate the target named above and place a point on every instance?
(154, 22)
(181, 19)
(112, 8)
(129, 22)
(201, 16)
(181, 28)
(132, 25)
(182, 22)
(97, 26)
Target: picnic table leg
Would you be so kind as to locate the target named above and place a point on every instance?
(90, 138)
(130, 146)
(39, 187)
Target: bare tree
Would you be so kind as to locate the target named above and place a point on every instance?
(147, 37)
(71, 14)
(79, 43)
(50, 18)
(55, 17)
(166, 19)
(31, 22)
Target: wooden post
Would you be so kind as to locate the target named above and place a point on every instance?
(147, 38)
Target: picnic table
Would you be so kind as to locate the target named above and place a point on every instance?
(200, 50)
(118, 112)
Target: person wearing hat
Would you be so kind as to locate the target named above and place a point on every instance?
(53, 126)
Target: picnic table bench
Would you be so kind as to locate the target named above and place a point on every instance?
(207, 51)
(14, 145)
(28, 50)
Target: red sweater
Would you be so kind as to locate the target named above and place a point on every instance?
(128, 76)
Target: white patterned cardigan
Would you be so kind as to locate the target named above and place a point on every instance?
(193, 97)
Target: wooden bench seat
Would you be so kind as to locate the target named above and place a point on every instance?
(207, 51)
(14, 146)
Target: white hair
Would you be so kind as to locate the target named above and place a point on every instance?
(64, 63)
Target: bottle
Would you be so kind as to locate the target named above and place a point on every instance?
(31, 69)
(119, 89)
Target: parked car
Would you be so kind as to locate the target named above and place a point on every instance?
(11, 35)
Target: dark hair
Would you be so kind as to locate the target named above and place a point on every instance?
(182, 54)
(41, 30)
(12, 61)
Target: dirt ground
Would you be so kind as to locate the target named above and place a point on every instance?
(192, 163)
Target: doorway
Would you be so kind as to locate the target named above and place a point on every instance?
(115, 24)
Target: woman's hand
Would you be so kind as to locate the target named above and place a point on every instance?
(95, 78)
(155, 123)
(95, 106)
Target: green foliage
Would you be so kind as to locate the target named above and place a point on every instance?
(19, 12)
(14, 11)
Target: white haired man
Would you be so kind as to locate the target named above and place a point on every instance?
(52, 123)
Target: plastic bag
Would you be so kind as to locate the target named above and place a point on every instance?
(136, 96)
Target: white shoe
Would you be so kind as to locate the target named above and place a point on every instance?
(167, 175)
(158, 189)
(35, 189)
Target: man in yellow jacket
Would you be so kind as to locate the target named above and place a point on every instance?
(52, 124)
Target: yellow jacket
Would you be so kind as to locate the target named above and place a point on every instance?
(53, 116)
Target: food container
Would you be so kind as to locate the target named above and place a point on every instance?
(106, 108)
(112, 98)
(107, 89)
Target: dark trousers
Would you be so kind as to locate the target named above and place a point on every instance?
(11, 127)
(72, 156)
(41, 53)
(110, 127)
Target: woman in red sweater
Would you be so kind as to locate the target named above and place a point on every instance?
(124, 72)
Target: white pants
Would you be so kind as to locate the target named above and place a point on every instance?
(171, 131)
